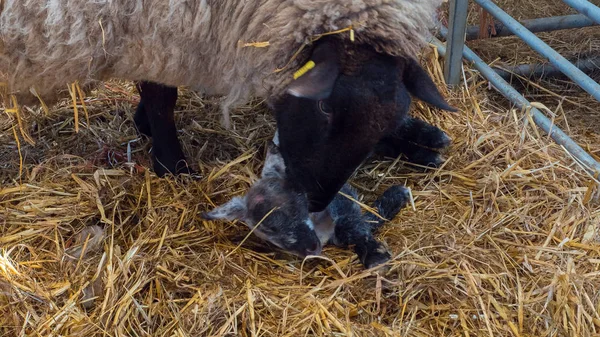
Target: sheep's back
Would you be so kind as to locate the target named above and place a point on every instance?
(46, 47)
(196, 43)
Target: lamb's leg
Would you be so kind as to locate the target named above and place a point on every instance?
(417, 140)
(353, 230)
(388, 205)
(158, 104)
(359, 230)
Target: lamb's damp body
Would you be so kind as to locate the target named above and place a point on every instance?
(279, 214)
(343, 224)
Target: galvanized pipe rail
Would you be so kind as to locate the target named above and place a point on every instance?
(586, 8)
(514, 96)
(537, 25)
(539, 46)
(538, 70)
(456, 40)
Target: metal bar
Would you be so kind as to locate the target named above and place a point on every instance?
(538, 117)
(539, 46)
(586, 8)
(547, 70)
(456, 41)
(538, 25)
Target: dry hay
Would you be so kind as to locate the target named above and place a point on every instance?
(503, 240)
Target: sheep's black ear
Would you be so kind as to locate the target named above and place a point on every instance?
(234, 209)
(316, 78)
(420, 85)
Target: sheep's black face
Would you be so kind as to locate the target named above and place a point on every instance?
(328, 124)
(333, 116)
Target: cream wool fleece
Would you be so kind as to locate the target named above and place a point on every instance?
(46, 44)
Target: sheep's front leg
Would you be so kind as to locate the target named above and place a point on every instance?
(141, 120)
(417, 140)
(353, 230)
(155, 116)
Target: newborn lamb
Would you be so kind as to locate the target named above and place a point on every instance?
(278, 213)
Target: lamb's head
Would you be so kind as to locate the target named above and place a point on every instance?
(333, 115)
(276, 210)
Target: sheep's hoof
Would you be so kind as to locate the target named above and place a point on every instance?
(187, 171)
(376, 257)
(180, 169)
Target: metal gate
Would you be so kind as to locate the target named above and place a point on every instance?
(455, 50)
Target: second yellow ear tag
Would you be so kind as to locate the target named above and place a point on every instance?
(304, 69)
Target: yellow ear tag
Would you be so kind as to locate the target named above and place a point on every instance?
(304, 69)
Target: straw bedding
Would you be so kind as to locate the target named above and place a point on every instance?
(502, 241)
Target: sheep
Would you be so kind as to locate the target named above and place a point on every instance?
(278, 213)
(334, 72)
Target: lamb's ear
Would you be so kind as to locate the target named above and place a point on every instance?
(316, 78)
(420, 85)
(234, 209)
(274, 165)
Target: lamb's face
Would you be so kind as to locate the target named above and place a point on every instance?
(333, 116)
(276, 211)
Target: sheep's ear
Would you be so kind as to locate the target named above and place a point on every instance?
(315, 80)
(234, 209)
(420, 85)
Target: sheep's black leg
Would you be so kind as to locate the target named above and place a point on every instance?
(158, 104)
(141, 120)
(417, 140)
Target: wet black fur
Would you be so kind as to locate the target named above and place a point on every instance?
(354, 228)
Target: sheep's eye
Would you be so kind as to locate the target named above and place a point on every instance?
(324, 108)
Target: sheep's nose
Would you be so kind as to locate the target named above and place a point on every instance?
(314, 249)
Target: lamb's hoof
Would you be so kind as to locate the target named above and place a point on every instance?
(441, 141)
(376, 257)
(428, 158)
(429, 155)
(392, 201)
(432, 137)
(396, 192)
